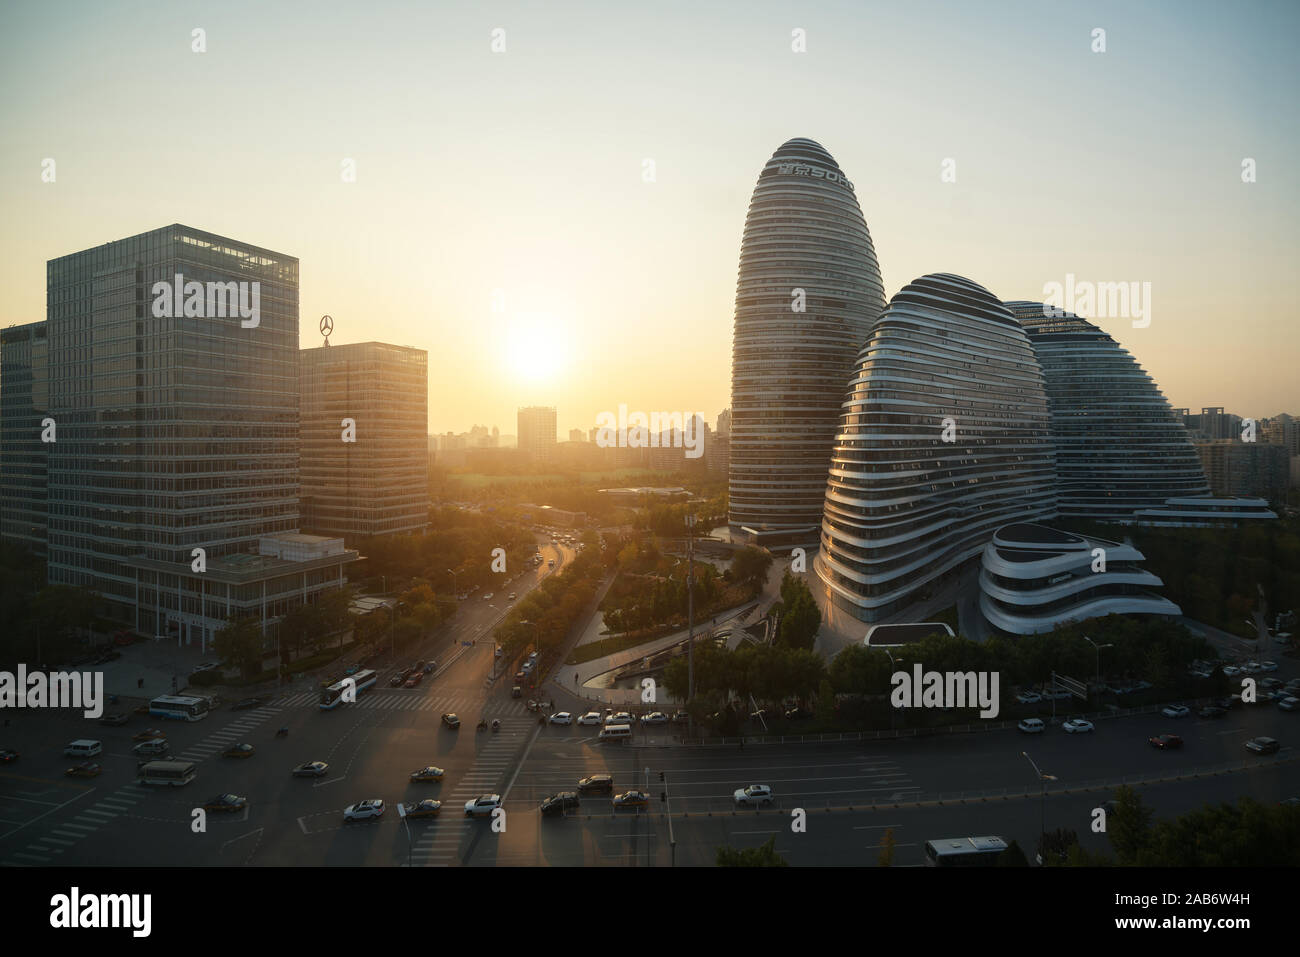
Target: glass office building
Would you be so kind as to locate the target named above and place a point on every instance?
(377, 484)
(808, 292)
(943, 439)
(24, 404)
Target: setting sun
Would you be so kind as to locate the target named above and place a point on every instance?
(538, 348)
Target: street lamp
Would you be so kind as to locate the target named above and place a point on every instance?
(1043, 778)
(1098, 647)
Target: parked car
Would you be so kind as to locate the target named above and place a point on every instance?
(1165, 742)
(482, 805)
(1289, 704)
(1263, 745)
(1032, 726)
(557, 804)
(426, 808)
(754, 795)
(654, 717)
(681, 717)
(1077, 726)
(621, 717)
(363, 810)
(597, 784)
(1176, 711)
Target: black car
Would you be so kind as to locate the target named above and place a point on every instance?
(516, 692)
(597, 784)
(430, 667)
(1212, 711)
(557, 804)
(7, 756)
(1263, 745)
(114, 719)
(226, 802)
(247, 703)
(798, 714)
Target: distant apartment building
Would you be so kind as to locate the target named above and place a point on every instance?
(373, 478)
(537, 432)
(577, 435)
(717, 456)
(1212, 424)
(1237, 469)
(24, 402)
(173, 477)
(1282, 430)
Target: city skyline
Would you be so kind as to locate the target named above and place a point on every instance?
(612, 289)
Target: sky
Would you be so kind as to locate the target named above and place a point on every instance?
(501, 216)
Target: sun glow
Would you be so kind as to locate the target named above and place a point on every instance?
(537, 347)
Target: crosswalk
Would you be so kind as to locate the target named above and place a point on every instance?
(43, 851)
(437, 843)
(456, 701)
(233, 733)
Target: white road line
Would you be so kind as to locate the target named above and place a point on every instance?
(54, 840)
(30, 857)
(47, 813)
(79, 827)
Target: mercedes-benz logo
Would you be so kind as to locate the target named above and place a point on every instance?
(326, 326)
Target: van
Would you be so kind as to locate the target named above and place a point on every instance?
(157, 746)
(615, 732)
(83, 748)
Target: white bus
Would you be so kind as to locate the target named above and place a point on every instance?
(332, 696)
(179, 707)
(167, 773)
(964, 851)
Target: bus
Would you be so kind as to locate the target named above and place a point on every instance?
(179, 707)
(167, 773)
(964, 851)
(332, 696)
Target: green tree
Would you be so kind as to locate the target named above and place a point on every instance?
(240, 642)
(763, 856)
(826, 701)
(749, 566)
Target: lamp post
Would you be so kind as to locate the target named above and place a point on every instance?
(690, 618)
(1043, 778)
(1098, 647)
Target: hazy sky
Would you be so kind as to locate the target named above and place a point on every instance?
(522, 171)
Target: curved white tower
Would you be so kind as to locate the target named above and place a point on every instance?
(1119, 447)
(944, 438)
(808, 292)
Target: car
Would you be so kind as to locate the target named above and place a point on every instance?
(654, 717)
(1212, 711)
(520, 677)
(239, 751)
(227, 803)
(488, 596)
(363, 810)
(1251, 667)
(597, 784)
(482, 805)
(681, 717)
(1176, 711)
(561, 717)
(621, 717)
(415, 679)
(1077, 726)
(114, 719)
(418, 667)
(247, 703)
(516, 692)
(427, 774)
(312, 769)
(1231, 670)
(1291, 703)
(590, 718)
(149, 734)
(430, 667)
(497, 652)
(397, 680)
(1290, 802)
(1270, 684)
(1032, 726)
(631, 799)
(1263, 745)
(551, 563)
(87, 770)
(1028, 697)
(798, 714)
(511, 597)
(557, 804)
(451, 720)
(8, 756)
(426, 808)
(753, 796)
(1165, 742)
(205, 666)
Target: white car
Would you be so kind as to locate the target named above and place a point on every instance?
(1231, 671)
(654, 717)
(754, 794)
(1032, 726)
(512, 597)
(1028, 697)
(488, 596)
(1176, 711)
(1268, 666)
(561, 717)
(621, 717)
(1251, 667)
(483, 804)
(363, 810)
(591, 717)
(1077, 726)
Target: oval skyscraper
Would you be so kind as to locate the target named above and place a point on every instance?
(808, 292)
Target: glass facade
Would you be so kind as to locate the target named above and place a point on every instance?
(804, 231)
(24, 402)
(379, 484)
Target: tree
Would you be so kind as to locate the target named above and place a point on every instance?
(1054, 846)
(886, 858)
(763, 856)
(826, 701)
(749, 566)
(240, 642)
(1128, 826)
